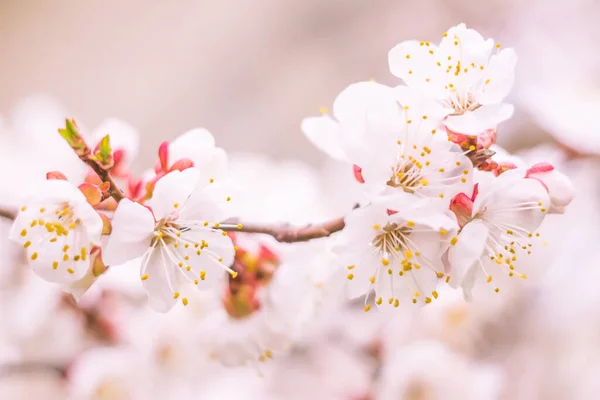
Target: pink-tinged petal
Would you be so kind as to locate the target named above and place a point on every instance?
(171, 191)
(132, 231)
(463, 255)
(324, 133)
(159, 280)
(358, 174)
(163, 158)
(478, 121)
(56, 175)
(91, 192)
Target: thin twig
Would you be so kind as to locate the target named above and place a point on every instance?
(7, 370)
(104, 175)
(291, 234)
(8, 214)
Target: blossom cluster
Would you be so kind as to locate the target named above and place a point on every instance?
(441, 210)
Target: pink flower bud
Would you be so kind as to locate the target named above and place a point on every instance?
(462, 207)
(558, 185)
(56, 175)
(163, 155)
(358, 174)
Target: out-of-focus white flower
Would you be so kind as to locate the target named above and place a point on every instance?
(391, 138)
(428, 370)
(58, 228)
(463, 74)
(198, 146)
(179, 239)
(394, 247)
(124, 142)
(499, 224)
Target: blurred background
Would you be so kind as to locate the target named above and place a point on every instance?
(250, 70)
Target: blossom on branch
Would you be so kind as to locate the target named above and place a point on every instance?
(58, 228)
(176, 235)
(462, 73)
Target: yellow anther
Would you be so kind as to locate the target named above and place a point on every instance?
(24, 208)
(234, 274)
(427, 300)
(379, 301)
(433, 131)
(186, 258)
(408, 254)
(385, 261)
(24, 232)
(424, 182)
(176, 205)
(424, 117)
(458, 163)
(389, 271)
(76, 258)
(350, 277)
(487, 81)
(367, 307)
(211, 180)
(441, 195)
(239, 226)
(396, 303)
(443, 232)
(27, 244)
(33, 223)
(350, 266)
(453, 240)
(206, 223)
(448, 279)
(198, 252)
(175, 295)
(203, 275)
(440, 274)
(414, 301)
(34, 256)
(55, 265)
(408, 56)
(410, 223)
(144, 277)
(390, 300)
(184, 301)
(188, 268)
(376, 226)
(224, 233)
(498, 45)
(323, 110)
(53, 240)
(70, 270)
(228, 198)
(372, 279)
(463, 180)
(434, 294)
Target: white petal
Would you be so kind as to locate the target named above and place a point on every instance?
(90, 221)
(212, 165)
(208, 203)
(414, 64)
(161, 283)
(171, 192)
(207, 264)
(483, 118)
(501, 75)
(132, 228)
(193, 144)
(323, 132)
(357, 101)
(468, 249)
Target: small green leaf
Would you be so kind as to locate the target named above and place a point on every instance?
(104, 153)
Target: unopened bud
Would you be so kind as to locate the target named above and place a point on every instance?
(558, 185)
(56, 175)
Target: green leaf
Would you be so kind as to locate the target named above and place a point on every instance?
(104, 153)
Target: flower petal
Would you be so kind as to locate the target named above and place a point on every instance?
(501, 75)
(464, 254)
(475, 122)
(132, 228)
(171, 192)
(159, 280)
(323, 132)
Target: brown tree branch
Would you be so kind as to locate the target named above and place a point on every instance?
(104, 175)
(289, 234)
(7, 370)
(8, 214)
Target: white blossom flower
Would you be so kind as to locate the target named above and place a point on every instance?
(179, 239)
(559, 186)
(58, 228)
(463, 74)
(498, 229)
(394, 246)
(391, 137)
